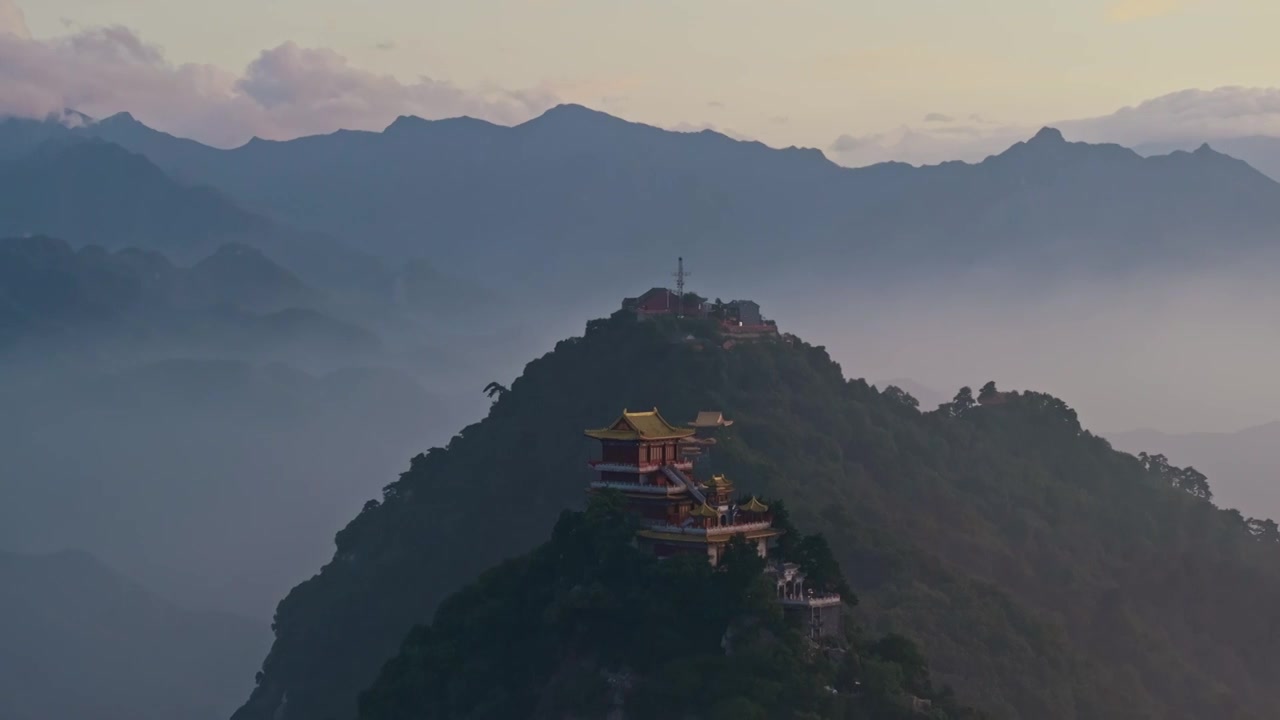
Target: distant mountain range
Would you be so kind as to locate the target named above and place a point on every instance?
(1260, 151)
(81, 641)
(597, 198)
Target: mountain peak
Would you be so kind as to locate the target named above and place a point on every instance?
(406, 122)
(571, 113)
(412, 123)
(120, 118)
(1048, 136)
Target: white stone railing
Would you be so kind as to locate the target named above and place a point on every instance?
(624, 468)
(637, 487)
(825, 600)
(602, 466)
(717, 530)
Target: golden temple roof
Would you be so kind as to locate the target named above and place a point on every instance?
(705, 511)
(720, 481)
(754, 505)
(640, 426)
(711, 418)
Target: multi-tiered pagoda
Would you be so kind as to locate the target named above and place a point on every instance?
(643, 457)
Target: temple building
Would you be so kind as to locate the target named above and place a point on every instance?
(821, 613)
(645, 458)
(642, 457)
(698, 447)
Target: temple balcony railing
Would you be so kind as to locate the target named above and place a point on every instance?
(638, 488)
(717, 530)
(646, 469)
(813, 601)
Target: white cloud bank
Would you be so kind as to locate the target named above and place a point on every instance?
(1187, 117)
(286, 92)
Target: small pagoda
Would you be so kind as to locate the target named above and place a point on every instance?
(641, 457)
(698, 446)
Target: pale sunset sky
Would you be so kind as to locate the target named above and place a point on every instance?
(804, 72)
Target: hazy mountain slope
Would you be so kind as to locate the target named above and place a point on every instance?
(1260, 151)
(20, 136)
(1122, 597)
(1046, 203)
(88, 191)
(218, 483)
(81, 641)
(605, 196)
(97, 192)
(1244, 466)
(136, 304)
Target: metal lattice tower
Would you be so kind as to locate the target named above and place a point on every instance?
(680, 275)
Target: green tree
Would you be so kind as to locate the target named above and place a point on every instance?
(961, 404)
(495, 390)
(902, 397)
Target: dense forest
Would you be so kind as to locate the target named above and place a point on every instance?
(589, 626)
(1043, 573)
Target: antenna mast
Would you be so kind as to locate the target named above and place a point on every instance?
(680, 275)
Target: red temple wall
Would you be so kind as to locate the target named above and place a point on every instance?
(627, 454)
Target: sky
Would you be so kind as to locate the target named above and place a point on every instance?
(863, 80)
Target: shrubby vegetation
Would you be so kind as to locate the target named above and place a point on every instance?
(587, 623)
(1043, 573)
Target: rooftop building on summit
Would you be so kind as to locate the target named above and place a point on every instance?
(740, 319)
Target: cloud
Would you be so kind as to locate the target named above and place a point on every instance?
(385, 46)
(851, 144)
(1185, 118)
(925, 146)
(1123, 11)
(1187, 115)
(286, 92)
(715, 104)
(934, 117)
(12, 21)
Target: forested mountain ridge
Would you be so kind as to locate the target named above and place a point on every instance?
(588, 625)
(1119, 595)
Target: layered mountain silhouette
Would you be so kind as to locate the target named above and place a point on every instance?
(1260, 151)
(596, 196)
(83, 641)
(59, 182)
(98, 192)
(235, 300)
(600, 193)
